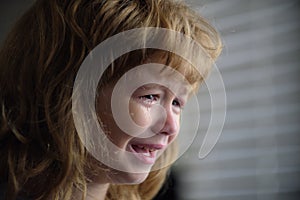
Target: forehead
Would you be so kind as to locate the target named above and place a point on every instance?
(155, 74)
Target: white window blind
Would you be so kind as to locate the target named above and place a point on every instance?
(257, 155)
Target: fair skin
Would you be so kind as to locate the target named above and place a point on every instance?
(154, 107)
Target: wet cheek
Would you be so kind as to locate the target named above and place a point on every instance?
(139, 114)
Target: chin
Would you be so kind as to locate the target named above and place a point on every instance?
(128, 178)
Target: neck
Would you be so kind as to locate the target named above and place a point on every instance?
(95, 191)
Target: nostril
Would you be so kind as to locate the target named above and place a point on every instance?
(170, 127)
(164, 120)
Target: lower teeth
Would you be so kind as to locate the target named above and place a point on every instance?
(146, 154)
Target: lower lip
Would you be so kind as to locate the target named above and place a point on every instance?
(150, 160)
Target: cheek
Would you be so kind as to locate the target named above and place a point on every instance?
(139, 114)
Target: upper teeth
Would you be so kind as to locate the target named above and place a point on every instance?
(145, 148)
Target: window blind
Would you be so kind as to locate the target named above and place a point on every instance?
(257, 155)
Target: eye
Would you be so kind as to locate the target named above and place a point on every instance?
(149, 98)
(177, 103)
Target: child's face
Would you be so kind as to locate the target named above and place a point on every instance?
(154, 109)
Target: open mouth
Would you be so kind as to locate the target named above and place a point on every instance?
(145, 152)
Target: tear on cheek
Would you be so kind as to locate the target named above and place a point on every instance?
(140, 115)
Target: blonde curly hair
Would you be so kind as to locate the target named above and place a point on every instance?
(41, 154)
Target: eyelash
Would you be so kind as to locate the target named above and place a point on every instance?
(178, 104)
(150, 98)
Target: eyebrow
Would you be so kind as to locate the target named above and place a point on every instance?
(183, 90)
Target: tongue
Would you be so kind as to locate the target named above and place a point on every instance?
(139, 150)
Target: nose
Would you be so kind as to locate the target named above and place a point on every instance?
(167, 123)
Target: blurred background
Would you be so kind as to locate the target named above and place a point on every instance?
(257, 155)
